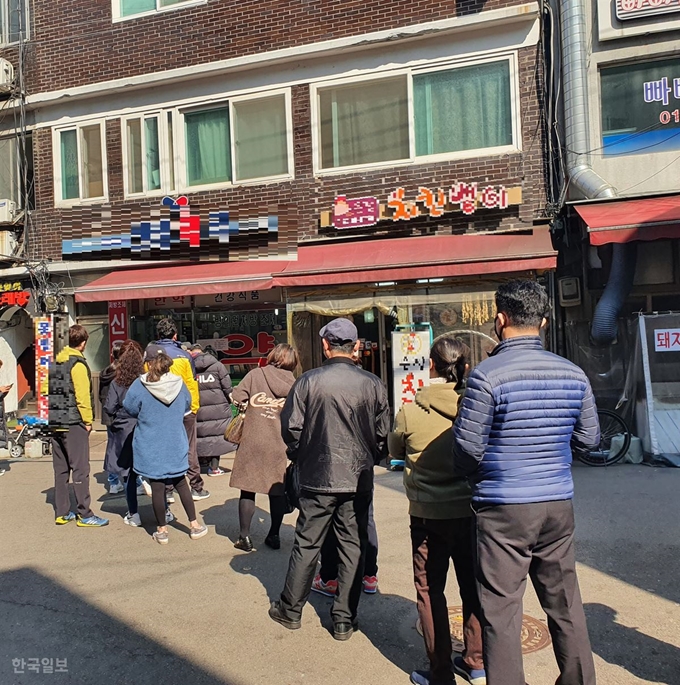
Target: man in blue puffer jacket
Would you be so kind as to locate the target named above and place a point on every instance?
(524, 409)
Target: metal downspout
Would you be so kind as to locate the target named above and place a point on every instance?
(582, 177)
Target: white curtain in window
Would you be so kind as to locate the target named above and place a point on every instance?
(92, 162)
(208, 147)
(153, 157)
(467, 108)
(260, 139)
(134, 156)
(364, 123)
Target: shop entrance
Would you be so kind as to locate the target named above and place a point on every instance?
(375, 334)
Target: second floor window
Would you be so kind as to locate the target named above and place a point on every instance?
(129, 8)
(81, 167)
(149, 154)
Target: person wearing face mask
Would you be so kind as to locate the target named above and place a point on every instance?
(441, 517)
(523, 411)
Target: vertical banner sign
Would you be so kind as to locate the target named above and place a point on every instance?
(118, 322)
(411, 364)
(44, 350)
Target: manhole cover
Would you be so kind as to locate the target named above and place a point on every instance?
(535, 635)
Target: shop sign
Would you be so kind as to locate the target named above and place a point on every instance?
(176, 302)
(44, 351)
(466, 197)
(411, 365)
(667, 340)
(356, 213)
(177, 229)
(633, 9)
(248, 297)
(239, 347)
(12, 295)
(118, 321)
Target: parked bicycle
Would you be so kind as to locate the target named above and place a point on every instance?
(611, 425)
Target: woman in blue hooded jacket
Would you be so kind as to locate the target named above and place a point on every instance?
(159, 400)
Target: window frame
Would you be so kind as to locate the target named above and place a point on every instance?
(116, 15)
(167, 163)
(56, 164)
(409, 73)
(4, 30)
(179, 130)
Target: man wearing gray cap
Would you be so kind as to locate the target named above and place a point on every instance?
(335, 424)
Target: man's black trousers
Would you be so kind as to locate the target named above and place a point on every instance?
(347, 514)
(513, 541)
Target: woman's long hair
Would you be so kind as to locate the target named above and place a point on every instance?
(450, 357)
(158, 366)
(130, 364)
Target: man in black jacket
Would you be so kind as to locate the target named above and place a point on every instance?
(335, 423)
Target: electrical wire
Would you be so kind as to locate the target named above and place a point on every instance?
(656, 173)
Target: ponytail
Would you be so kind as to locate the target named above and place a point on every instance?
(450, 356)
(158, 366)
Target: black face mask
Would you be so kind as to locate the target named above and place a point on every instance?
(499, 334)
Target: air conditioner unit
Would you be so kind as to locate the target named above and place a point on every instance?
(8, 211)
(6, 76)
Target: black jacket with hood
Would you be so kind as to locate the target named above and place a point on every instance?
(214, 388)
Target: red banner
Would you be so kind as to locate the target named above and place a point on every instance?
(118, 321)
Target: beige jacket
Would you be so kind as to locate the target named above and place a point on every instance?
(422, 436)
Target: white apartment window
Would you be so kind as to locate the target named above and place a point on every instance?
(244, 140)
(81, 167)
(148, 161)
(417, 115)
(13, 21)
(130, 8)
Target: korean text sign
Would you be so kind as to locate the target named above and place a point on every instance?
(667, 340)
(411, 364)
(118, 321)
(44, 351)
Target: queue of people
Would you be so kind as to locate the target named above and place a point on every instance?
(487, 474)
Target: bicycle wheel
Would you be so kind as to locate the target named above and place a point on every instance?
(611, 424)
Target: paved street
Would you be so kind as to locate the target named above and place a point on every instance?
(122, 609)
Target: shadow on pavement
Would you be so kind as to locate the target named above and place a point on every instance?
(643, 656)
(42, 620)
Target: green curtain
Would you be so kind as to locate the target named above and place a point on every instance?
(153, 158)
(364, 123)
(260, 140)
(208, 147)
(463, 109)
(130, 7)
(70, 188)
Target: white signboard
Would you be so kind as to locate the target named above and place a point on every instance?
(633, 9)
(411, 364)
(667, 339)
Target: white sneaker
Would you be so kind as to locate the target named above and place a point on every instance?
(116, 488)
(170, 497)
(169, 516)
(144, 488)
(133, 520)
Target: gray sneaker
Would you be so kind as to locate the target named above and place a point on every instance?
(198, 532)
(161, 538)
(203, 494)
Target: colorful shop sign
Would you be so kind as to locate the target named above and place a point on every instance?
(466, 197)
(634, 9)
(13, 295)
(44, 351)
(411, 365)
(240, 348)
(118, 321)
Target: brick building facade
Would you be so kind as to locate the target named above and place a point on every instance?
(151, 81)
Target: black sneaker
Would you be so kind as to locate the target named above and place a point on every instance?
(276, 614)
(196, 495)
(273, 541)
(245, 544)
